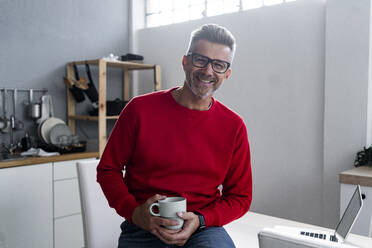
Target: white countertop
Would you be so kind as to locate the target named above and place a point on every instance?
(244, 230)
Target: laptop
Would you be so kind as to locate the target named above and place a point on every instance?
(346, 222)
(315, 238)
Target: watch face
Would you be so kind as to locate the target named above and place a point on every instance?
(201, 221)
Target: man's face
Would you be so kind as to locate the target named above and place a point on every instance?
(203, 82)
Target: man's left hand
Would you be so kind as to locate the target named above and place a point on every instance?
(180, 237)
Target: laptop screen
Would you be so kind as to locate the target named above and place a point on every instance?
(350, 214)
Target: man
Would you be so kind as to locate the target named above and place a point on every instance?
(181, 142)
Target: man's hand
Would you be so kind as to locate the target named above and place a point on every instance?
(180, 237)
(142, 218)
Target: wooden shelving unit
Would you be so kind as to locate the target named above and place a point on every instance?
(102, 64)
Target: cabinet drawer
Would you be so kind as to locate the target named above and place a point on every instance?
(66, 169)
(66, 197)
(69, 232)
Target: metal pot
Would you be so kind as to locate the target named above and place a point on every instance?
(34, 109)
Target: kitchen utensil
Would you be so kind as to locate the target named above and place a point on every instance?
(74, 85)
(81, 83)
(5, 120)
(47, 126)
(26, 142)
(11, 127)
(91, 92)
(57, 131)
(18, 124)
(113, 107)
(45, 114)
(33, 109)
(2, 120)
(46, 108)
(80, 147)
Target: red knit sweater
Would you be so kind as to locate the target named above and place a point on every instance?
(171, 150)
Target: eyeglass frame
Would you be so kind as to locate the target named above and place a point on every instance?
(210, 61)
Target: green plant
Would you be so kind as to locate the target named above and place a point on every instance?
(363, 157)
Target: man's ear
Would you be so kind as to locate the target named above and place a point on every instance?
(228, 73)
(184, 62)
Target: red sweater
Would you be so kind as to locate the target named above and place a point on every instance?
(171, 150)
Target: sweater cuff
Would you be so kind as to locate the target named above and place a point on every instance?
(128, 207)
(209, 217)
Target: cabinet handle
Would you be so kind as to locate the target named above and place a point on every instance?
(363, 196)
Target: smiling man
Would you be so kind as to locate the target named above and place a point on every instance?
(181, 142)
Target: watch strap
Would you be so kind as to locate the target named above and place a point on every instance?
(201, 221)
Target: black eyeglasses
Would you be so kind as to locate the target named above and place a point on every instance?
(202, 61)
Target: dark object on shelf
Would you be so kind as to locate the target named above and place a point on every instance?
(26, 142)
(77, 93)
(115, 107)
(112, 107)
(79, 147)
(131, 57)
(91, 92)
(364, 157)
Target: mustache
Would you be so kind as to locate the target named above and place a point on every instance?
(202, 76)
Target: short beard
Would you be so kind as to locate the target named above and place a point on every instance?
(196, 92)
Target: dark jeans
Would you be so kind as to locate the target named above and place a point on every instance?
(211, 237)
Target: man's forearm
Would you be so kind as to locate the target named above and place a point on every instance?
(116, 192)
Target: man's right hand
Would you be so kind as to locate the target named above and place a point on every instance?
(142, 217)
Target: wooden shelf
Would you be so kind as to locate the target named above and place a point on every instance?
(92, 118)
(102, 90)
(120, 64)
(361, 175)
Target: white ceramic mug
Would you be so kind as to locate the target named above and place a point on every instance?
(168, 208)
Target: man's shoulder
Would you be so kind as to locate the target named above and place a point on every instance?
(228, 113)
(152, 95)
(150, 98)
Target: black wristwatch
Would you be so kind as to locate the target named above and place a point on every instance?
(201, 220)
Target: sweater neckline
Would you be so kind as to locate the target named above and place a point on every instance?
(185, 109)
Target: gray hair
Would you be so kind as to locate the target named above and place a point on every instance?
(215, 34)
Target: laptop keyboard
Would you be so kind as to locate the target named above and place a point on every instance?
(319, 236)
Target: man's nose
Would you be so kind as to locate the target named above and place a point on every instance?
(208, 68)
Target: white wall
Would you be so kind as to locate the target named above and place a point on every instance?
(347, 126)
(277, 85)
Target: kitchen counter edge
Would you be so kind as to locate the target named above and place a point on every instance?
(360, 175)
(41, 160)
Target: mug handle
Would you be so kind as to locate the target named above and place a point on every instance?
(150, 208)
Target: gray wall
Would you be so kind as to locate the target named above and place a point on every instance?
(37, 39)
(347, 110)
(277, 85)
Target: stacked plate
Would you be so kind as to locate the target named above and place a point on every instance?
(54, 131)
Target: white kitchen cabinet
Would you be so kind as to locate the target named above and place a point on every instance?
(348, 181)
(64, 170)
(66, 198)
(26, 210)
(68, 225)
(69, 232)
